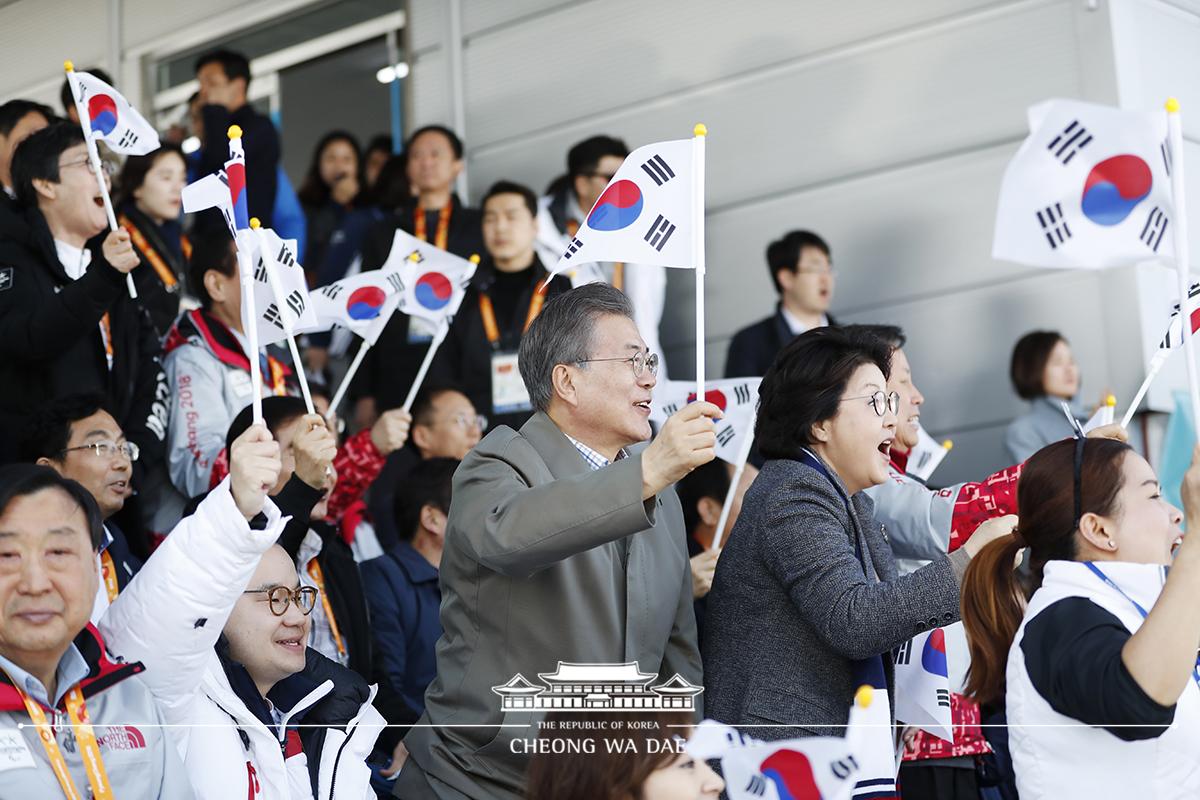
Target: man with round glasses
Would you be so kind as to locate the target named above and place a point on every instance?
(78, 438)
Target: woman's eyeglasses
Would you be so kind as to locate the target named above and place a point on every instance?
(881, 401)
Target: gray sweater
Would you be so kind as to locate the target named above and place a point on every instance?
(792, 608)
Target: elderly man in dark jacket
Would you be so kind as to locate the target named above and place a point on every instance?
(562, 545)
(67, 324)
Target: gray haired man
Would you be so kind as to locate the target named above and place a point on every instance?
(563, 543)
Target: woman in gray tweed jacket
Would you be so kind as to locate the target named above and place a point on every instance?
(806, 595)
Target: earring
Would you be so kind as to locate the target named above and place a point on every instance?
(1112, 545)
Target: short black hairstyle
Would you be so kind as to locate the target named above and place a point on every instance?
(64, 92)
(585, 156)
(512, 187)
(21, 480)
(37, 157)
(234, 65)
(1029, 358)
(381, 142)
(14, 111)
(785, 253)
(215, 251)
(133, 174)
(427, 396)
(48, 429)
(429, 484)
(455, 143)
(892, 335)
(707, 480)
(806, 383)
(277, 412)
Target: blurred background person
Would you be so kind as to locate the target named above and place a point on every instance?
(1044, 372)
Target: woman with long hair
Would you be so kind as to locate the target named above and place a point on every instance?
(331, 195)
(1091, 646)
(150, 200)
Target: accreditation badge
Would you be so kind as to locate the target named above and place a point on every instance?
(509, 395)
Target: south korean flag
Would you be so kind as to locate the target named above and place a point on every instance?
(644, 215)
(737, 398)
(1090, 188)
(280, 290)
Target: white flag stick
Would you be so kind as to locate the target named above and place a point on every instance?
(700, 132)
(250, 319)
(1156, 365)
(97, 165)
(291, 340)
(276, 290)
(347, 378)
(442, 329)
(1182, 266)
(742, 456)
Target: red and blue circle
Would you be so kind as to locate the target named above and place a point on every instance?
(792, 774)
(714, 396)
(365, 302)
(619, 207)
(1114, 187)
(102, 113)
(433, 290)
(933, 655)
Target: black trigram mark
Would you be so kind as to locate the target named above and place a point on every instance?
(943, 698)
(924, 459)
(574, 247)
(332, 290)
(272, 316)
(260, 271)
(415, 256)
(725, 435)
(1074, 138)
(128, 139)
(295, 302)
(741, 393)
(1155, 228)
(660, 231)
(904, 653)
(844, 767)
(757, 785)
(671, 409)
(1054, 225)
(395, 281)
(1164, 150)
(285, 257)
(659, 170)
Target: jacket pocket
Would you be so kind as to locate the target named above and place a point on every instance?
(803, 714)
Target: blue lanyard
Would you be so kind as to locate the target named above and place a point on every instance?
(1099, 574)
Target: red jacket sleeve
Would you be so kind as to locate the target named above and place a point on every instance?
(358, 463)
(976, 503)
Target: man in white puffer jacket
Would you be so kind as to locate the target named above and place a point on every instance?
(220, 621)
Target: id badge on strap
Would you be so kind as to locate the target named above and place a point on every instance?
(509, 395)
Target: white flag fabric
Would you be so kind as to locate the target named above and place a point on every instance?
(1090, 188)
(433, 282)
(736, 397)
(107, 116)
(211, 191)
(288, 309)
(1174, 335)
(644, 215)
(923, 684)
(362, 303)
(926, 456)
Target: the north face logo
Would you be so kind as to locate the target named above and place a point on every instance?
(120, 737)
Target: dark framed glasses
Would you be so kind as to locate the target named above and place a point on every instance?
(280, 597)
(881, 401)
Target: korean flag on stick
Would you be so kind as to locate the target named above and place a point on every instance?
(737, 398)
(923, 684)
(211, 191)
(434, 282)
(362, 303)
(1090, 188)
(281, 297)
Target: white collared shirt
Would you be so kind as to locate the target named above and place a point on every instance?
(75, 260)
(796, 326)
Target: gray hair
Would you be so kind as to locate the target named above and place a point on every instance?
(562, 334)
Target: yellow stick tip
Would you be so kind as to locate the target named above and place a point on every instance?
(235, 131)
(1111, 401)
(700, 130)
(863, 697)
(254, 223)
(1172, 105)
(69, 66)
(474, 259)
(948, 445)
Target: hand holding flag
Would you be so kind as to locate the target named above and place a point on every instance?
(737, 398)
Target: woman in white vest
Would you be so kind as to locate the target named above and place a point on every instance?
(1098, 671)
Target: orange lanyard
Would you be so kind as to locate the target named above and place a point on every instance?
(106, 335)
(618, 281)
(488, 312)
(443, 228)
(314, 571)
(109, 571)
(89, 749)
(165, 273)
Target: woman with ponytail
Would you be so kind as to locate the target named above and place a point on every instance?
(1091, 645)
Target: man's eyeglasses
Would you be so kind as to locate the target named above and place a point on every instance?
(603, 175)
(105, 167)
(880, 401)
(108, 450)
(281, 597)
(640, 362)
(470, 422)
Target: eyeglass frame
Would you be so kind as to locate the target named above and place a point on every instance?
(649, 361)
(891, 401)
(130, 450)
(105, 167)
(293, 596)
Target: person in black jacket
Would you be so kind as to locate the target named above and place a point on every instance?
(802, 271)
(224, 78)
(18, 119)
(67, 324)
